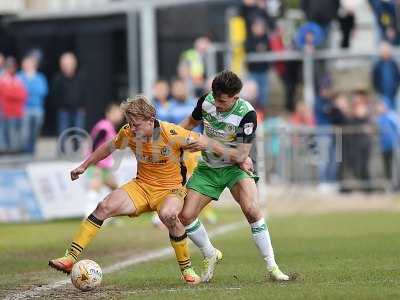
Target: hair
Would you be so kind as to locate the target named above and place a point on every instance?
(226, 82)
(361, 92)
(138, 107)
(111, 105)
(10, 62)
(161, 80)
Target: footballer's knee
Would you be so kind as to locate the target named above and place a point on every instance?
(186, 217)
(104, 209)
(252, 213)
(169, 216)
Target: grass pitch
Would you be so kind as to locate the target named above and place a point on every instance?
(336, 256)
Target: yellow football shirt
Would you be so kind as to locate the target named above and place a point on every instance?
(159, 160)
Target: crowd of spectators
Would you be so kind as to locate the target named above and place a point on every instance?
(23, 92)
(360, 114)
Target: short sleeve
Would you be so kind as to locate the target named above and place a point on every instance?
(180, 136)
(122, 139)
(197, 113)
(247, 128)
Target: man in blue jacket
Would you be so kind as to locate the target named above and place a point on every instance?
(388, 123)
(386, 76)
(37, 88)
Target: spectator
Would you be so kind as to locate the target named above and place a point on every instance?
(161, 99)
(388, 123)
(346, 18)
(276, 130)
(257, 42)
(290, 73)
(12, 99)
(309, 36)
(2, 120)
(250, 93)
(181, 104)
(100, 175)
(36, 86)
(275, 8)
(386, 76)
(340, 114)
(69, 93)
(324, 103)
(385, 15)
(322, 12)
(361, 138)
(191, 66)
(2, 61)
(326, 138)
(303, 116)
(302, 139)
(250, 10)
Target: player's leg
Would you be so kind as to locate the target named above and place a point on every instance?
(245, 193)
(168, 213)
(109, 179)
(117, 203)
(194, 203)
(203, 186)
(209, 214)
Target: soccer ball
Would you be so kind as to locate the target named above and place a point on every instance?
(86, 275)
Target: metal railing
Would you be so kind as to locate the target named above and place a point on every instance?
(350, 157)
(308, 61)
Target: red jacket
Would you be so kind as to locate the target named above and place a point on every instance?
(12, 96)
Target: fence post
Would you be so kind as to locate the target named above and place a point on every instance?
(133, 52)
(308, 76)
(148, 42)
(211, 61)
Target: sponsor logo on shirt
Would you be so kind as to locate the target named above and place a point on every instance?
(248, 128)
(230, 128)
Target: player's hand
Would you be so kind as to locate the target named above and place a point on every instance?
(247, 165)
(199, 144)
(77, 172)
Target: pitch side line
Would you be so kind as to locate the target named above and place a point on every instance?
(152, 255)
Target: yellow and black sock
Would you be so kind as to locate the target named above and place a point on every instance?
(180, 245)
(85, 234)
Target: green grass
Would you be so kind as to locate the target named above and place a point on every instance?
(337, 256)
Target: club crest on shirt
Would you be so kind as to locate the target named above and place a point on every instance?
(165, 151)
(230, 128)
(172, 132)
(248, 128)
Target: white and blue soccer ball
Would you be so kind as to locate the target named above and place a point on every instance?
(86, 275)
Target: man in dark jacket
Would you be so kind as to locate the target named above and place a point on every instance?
(257, 41)
(321, 12)
(385, 13)
(69, 94)
(386, 76)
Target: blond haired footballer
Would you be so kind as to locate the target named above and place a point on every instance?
(158, 147)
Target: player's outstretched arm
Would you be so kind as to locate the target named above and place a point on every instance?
(189, 123)
(237, 155)
(99, 154)
(247, 165)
